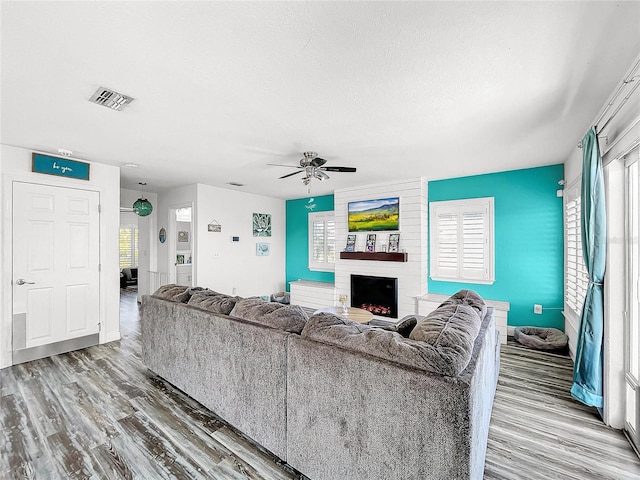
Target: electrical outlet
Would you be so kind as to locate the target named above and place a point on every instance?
(537, 309)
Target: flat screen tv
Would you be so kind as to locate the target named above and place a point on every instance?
(374, 215)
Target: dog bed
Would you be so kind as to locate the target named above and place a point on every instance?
(541, 338)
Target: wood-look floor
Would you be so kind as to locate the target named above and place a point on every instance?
(98, 413)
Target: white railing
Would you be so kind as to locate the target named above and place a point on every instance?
(157, 279)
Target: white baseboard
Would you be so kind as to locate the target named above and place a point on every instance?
(112, 336)
(510, 331)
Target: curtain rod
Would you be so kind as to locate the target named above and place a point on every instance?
(624, 100)
(632, 77)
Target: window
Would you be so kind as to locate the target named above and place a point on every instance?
(128, 246)
(461, 240)
(322, 241)
(576, 278)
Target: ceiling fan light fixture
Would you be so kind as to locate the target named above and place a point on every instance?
(313, 167)
(320, 175)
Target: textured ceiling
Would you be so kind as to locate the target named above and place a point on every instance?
(396, 89)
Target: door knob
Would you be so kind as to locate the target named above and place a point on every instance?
(22, 281)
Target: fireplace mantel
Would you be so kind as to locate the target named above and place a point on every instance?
(378, 256)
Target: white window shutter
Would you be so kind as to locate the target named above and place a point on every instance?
(322, 241)
(128, 246)
(318, 241)
(576, 278)
(461, 239)
(447, 242)
(475, 244)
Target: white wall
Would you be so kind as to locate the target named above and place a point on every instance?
(411, 275)
(147, 235)
(618, 136)
(15, 165)
(224, 265)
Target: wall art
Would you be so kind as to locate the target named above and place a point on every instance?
(261, 224)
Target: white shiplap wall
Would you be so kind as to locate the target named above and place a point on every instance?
(411, 275)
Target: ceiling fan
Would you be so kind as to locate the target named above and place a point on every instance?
(313, 167)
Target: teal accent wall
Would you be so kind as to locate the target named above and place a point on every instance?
(529, 244)
(297, 228)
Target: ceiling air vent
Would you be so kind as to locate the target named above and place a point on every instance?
(108, 98)
(235, 184)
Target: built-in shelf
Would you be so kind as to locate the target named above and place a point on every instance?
(378, 256)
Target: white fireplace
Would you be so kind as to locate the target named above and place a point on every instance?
(411, 275)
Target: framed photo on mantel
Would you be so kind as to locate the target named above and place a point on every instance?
(371, 242)
(351, 244)
(394, 242)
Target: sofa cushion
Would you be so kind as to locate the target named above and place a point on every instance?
(213, 301)
(451, 330)
(173, 292)
(290, 318)
(331, 329)
(467, 297)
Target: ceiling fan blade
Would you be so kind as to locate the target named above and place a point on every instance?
(340, 169)
(281, 165)
(290, 174)
(317, 162)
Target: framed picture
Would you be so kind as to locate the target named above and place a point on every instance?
(261, 224)
(183, 236)
(351, 244)
(374, 215)
(394, 242)
(371, 242)
(262, 249)
(180, 259)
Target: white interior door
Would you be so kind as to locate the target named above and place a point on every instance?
(56, 281)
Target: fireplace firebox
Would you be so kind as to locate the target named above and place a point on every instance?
(378, 295)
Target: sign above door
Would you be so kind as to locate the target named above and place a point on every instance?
(60, 167)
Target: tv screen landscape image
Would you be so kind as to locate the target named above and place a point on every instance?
(374, 215)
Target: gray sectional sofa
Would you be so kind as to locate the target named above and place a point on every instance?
(333, 398)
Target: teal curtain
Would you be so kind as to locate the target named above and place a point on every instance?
(587, 372)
